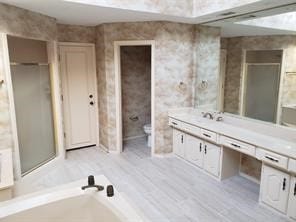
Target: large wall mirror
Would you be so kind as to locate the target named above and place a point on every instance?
(258, 65)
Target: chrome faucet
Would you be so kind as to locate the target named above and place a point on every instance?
(205, 115)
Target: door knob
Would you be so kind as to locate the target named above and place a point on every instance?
(91, 103)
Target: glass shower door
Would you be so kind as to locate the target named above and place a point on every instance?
(34, 117)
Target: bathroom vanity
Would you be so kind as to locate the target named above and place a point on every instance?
(6, 174)
(215, 148)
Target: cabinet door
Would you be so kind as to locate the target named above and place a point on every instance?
(212, 158)
(275, 188)
(194, 150)
(292, 199)
(179, 143)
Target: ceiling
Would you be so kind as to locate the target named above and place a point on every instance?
(83, 14)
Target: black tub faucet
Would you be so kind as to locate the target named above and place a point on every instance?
(91, 183)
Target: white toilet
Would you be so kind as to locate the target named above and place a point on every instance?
(147, 130)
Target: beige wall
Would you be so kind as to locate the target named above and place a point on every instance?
(76, 33)
(173, 64)
(136, 89)
(24, 23)
(207, 58)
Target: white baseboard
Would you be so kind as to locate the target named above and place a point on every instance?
(134, 137)
(164, 155)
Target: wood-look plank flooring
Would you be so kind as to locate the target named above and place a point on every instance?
(164, 189)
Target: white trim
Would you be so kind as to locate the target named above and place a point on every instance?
(95, 93)
(222, 74)
(118, 98)
(7, 73)
(52, 49)
(281, 84)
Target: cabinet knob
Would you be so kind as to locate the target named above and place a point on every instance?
(205, 149)
(200, 147)
(284, 184)
(295, 190)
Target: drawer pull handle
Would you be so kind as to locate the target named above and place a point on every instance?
(272, 159)
(207, 135)
(295, 190)
(174, 123)
(182, 139)
(205, 149)
(200, 147)
(284, 184)
(235, 145)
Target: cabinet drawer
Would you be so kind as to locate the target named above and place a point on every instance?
(175, 123)
(238, 145)
(292, 166)
(194, 130)
(272, 158)
(208, 135)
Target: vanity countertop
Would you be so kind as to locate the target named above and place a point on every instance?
(6, 169)
(278, 145)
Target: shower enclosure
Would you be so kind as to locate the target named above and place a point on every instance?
(31, 84)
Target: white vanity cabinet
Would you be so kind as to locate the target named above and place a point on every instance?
(292, 199)
(211, 161)
(275, 188)
(194, 150)
(197, 151)
(179, 143)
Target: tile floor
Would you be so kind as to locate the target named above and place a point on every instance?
(164, 189)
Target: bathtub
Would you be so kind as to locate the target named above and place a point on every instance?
(69, 203)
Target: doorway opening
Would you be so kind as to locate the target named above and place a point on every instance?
(135, 96)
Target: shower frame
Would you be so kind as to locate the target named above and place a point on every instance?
(56, 107)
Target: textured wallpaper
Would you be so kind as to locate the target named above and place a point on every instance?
(76, 33)
(24, 23)
(207, 60)
(136, 89)
(173, 65)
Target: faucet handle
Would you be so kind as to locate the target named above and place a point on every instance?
(91, 180)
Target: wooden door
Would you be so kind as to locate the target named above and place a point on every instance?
(77, 65)
(275, 188)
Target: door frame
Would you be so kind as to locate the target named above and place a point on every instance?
(56, 109)
(244, 78)
(92, 45)
(245, 86)
(118, 96)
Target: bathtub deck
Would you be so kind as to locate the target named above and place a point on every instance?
(165, 189)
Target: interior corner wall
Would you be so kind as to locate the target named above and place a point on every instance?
(102, 87)
(173, 65)
(207, 57)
